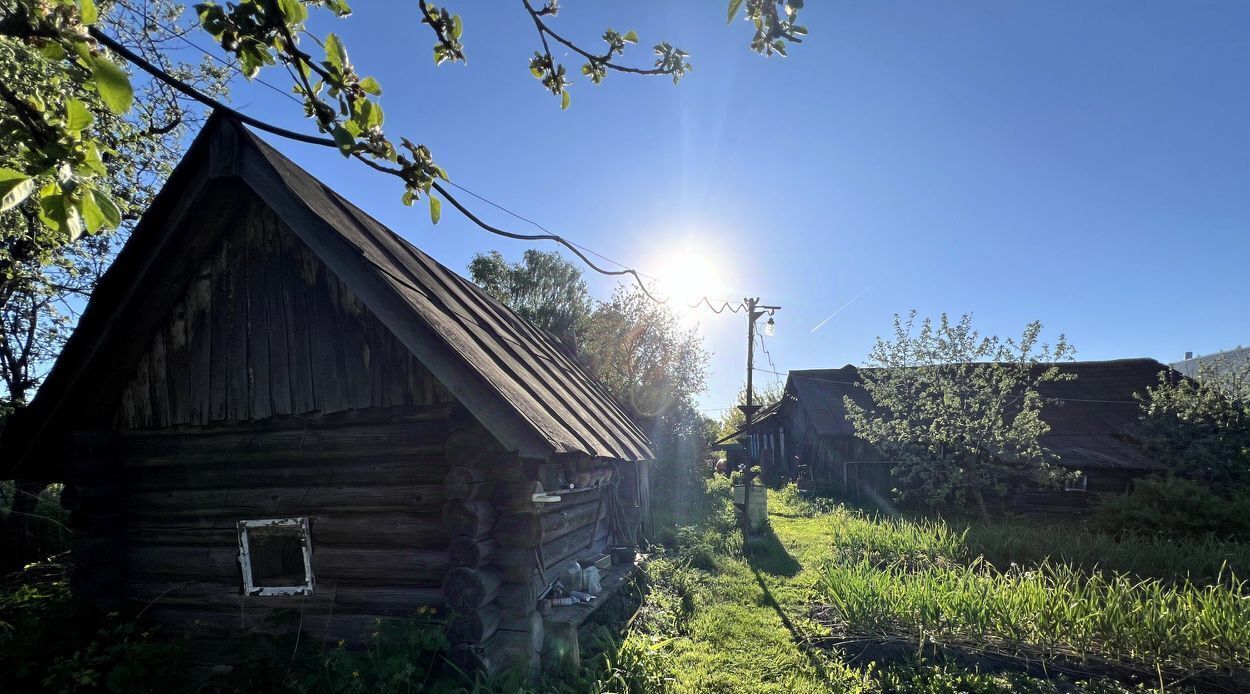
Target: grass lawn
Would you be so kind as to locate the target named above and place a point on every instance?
(724, 620)
(826, 599)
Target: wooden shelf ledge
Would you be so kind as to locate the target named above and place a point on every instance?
(611, 579)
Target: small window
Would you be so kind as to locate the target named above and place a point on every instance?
(1076, 484)
(276, 556)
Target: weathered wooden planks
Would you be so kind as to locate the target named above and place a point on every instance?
(263, 330)
(382, 601)
(338, 528)
(373, 566)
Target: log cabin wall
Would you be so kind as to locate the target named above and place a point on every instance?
(506, 547)
(269, 392)
(156, 513)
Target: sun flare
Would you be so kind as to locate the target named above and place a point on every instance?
(688, 272)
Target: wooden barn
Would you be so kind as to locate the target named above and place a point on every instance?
(1091, 430)
(764, 446)
(274, 402)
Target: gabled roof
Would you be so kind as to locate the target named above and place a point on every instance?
(763, 417)
(518, 380)
(1091, 425)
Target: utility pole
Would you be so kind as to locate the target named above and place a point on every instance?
(754, 312)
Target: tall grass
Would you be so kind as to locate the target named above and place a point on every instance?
(1051, 610)
(1032, 541)
(1023, 541)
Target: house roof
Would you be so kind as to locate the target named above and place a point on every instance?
(1090, 425)
(765, 415)
(1226, 361)
(518, 380)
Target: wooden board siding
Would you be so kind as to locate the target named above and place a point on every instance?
(265, 330)
(155, 513)
(213, 312)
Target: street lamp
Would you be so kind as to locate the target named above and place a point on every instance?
(754, 313)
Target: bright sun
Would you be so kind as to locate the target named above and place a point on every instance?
(688, 272)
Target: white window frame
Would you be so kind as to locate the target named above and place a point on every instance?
(245, 557)
(1080, 484)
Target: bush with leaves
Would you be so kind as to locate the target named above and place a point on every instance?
(1200, 427)
(959, 413)
(50, 642)
(1174, 507)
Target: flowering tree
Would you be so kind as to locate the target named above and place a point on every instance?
(959, 413)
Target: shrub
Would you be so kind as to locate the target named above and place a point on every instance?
(1177, 508)
(1200, 426)
(49, 643)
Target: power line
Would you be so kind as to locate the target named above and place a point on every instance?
(173, 33)
(576, 248)
(769, 356)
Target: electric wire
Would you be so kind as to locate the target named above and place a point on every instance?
(579, 250)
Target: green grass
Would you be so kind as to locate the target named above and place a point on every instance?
(827, 599)
(729, 620)
(1047, 612)
(1030, 542)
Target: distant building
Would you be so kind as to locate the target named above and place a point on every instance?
(1220, 361)
(809, 437)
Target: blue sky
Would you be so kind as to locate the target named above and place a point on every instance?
(1084, 164)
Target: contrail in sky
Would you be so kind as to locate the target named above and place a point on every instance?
(831, 315)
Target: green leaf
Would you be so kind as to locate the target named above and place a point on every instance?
(92, 161)
(77, 117)
(336, 53)
(14, 188)
(343, 139)
(367, 116)
(734, 6)
(436, 209)
(109, 209)
(52, 51)
(564, 100)
(630, 36)
(371, 86)
(87, 12)
(292, 11)
(92, 215)
(113, 84)
(59, 213)
(83, 53)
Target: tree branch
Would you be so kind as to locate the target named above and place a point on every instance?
(427, 17)
(192, 92)
(184, 88)
(544, 31)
